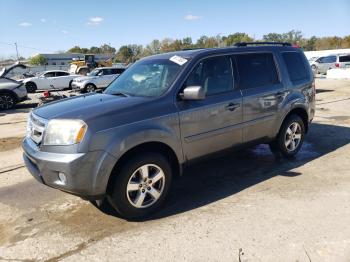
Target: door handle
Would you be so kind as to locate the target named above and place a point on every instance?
(232, 106)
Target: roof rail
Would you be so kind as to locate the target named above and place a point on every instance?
(262, 43)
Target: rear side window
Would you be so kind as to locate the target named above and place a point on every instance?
(295, 66)
(345, 58)
(256, 70)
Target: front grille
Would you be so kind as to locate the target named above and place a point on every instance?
(36, 128)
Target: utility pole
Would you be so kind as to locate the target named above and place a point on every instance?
(17, 52)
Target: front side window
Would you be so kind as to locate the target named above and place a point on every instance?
(256, 70)
(50, 74)
(150, 78)
(213, 74)
(95, 72)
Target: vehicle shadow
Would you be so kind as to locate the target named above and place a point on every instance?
(209, 181)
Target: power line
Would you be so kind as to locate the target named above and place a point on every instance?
(27, 47)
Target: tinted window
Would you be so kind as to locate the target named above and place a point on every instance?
(61, 74)
(295, 66)
(344, 58)
(116, 71)
(50, 74)
(256, 70)
(213, 74)
(329, 59)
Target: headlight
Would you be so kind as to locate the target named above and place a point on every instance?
(64, 132)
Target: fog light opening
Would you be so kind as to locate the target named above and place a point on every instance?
(62, 177)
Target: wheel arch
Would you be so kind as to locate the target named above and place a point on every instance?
(302, 113)
(151, 146)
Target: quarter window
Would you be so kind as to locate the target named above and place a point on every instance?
(213, 74)
(295, 66)
(256, 70)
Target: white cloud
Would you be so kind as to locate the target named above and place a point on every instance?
(192, 17)
(43, 20)
(95, 20)
(25, 24)
(64, 31)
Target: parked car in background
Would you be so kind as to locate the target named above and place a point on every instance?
(323, 64)
(44, 81)
(165, 111)
(11, 91)
(98, 78)
(312, 59)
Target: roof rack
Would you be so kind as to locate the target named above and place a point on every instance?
(262, 43)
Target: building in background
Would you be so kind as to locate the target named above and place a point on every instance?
(65, 58)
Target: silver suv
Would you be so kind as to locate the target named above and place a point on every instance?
(127, 144)
(323, 64)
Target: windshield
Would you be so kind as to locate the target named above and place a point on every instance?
(95, 72)
(145, 78)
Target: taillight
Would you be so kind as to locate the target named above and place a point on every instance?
(337, 65)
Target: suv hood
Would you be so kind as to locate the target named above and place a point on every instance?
(85, 78)
(87, 107)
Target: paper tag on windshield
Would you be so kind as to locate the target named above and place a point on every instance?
(178, 60)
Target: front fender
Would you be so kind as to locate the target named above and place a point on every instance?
(117, 141)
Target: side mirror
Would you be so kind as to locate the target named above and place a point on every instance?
(193, 93)
(99, 74)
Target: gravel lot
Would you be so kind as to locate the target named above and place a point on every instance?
(245, 206)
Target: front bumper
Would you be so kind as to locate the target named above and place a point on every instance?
(86, 174)
(78, 85)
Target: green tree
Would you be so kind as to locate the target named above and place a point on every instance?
(75, 49)
(107, 49)
(38, 60)
(273, 37)
(236, 38)
(94, 50)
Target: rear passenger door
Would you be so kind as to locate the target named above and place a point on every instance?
(212, 124)
(262, 91)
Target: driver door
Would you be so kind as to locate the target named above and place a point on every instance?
(212, 124)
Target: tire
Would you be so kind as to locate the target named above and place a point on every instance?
(31, 87)
(89, 88)
(290, 137)
(314, 69)
(70, 85)
(133, 193)
(7, 101)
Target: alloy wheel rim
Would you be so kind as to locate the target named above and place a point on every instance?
(145, 186)
(6, 102)
(90, 88)
(293, 137)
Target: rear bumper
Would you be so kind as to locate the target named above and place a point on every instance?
(86, 174)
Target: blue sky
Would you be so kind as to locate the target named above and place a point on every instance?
(49, 26)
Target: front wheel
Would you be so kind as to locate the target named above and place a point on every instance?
(90, 88)
(7, 101)
(140, 186)
(290, 137)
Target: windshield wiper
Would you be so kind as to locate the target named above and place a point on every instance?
(120, 94)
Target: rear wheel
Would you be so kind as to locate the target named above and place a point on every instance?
(7, 101)
(141, 186)
(31, 87)
(290, 137)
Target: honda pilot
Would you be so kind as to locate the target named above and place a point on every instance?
(126, 145)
